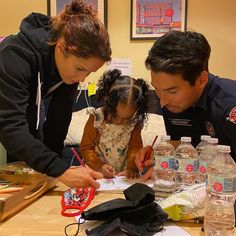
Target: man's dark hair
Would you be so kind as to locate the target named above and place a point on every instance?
(177, 52)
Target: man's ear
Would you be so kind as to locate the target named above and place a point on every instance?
(202, 79)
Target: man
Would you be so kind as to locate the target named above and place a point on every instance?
(193, 101)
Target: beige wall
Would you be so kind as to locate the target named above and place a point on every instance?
(12, 12)
(214, 18)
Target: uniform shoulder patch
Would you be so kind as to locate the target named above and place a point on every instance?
(232, 116)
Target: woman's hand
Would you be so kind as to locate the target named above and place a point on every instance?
(79, 176)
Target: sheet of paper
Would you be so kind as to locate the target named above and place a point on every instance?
(171, 229)
(123, 64)
(91, 89)
(120, 183)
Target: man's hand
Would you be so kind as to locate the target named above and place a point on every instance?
(144, 158)
(79, 176)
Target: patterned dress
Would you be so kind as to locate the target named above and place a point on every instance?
(114, 140)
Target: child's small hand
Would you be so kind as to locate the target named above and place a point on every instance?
(130, 173)
(108, 171)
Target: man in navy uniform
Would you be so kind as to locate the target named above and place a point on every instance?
(193, 101)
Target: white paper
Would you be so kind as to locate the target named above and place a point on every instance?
(119, 183)
(125, 65)
(171, 229)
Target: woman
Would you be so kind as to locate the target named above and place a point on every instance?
(40, 68)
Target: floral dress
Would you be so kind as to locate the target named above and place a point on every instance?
(114, 140)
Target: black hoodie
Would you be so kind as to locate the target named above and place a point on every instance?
(27, 71)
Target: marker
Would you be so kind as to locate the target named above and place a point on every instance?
(77, 156)
(145, 168)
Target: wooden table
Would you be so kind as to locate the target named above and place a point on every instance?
(43, 217)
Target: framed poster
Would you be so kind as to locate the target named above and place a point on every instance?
(151, 19)
(56, 6)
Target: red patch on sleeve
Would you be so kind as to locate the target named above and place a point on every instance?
(232, 116)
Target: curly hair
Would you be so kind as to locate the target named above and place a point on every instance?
(177, 52)
(114, 88)
(84, 35)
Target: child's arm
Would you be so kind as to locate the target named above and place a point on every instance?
(135, 145)
(87, 145)
(87, 149)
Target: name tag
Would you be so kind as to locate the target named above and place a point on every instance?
(181, 122)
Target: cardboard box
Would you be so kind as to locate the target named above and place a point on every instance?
(20, 186)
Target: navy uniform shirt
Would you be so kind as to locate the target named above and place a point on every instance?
(214, 115)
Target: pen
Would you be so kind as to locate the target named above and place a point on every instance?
(147, 155)
(77, 156)
(102, 156)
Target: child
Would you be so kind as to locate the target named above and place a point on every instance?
(112, 134)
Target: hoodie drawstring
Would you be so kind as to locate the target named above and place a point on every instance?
(39, 97)
(38, 100)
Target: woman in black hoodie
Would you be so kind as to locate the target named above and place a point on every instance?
(40, 68)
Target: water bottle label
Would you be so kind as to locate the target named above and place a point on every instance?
(187, 165)
(163, 163)
(223, 185)
(203, 167)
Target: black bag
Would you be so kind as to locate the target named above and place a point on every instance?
(138, 214)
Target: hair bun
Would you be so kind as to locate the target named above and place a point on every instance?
(80, 7)
(115, 74)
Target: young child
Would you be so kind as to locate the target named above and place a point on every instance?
(112, 134)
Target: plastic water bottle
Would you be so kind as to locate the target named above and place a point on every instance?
(206, 155)
(186, 162)
(202, 143)
(221, 190)
(164, 155)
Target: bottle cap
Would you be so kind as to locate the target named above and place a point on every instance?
(165, 137)
(212, 140)
(223, 148)
(205, 137)
(186, 139)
